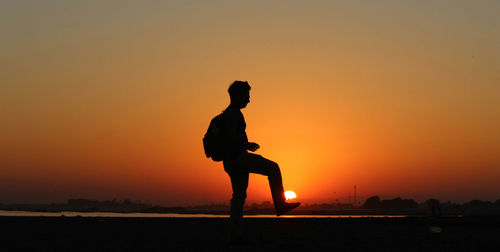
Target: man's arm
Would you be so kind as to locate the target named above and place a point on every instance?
(232, 133)
(235, 136)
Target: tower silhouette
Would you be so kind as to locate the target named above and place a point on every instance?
(355, 195)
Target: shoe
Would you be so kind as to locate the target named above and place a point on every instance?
(285, 207)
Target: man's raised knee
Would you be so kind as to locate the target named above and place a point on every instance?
(274, 169)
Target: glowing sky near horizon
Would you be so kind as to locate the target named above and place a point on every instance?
(110, 99)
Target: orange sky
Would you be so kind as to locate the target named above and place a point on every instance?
(111, 100)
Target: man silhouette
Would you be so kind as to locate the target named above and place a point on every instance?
(238, 163)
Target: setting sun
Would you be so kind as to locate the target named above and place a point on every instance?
(290, 195)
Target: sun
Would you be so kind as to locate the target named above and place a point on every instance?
(290, 195)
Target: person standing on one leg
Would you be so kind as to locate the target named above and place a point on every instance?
(238, 163)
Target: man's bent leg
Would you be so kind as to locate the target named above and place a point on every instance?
(260, 165)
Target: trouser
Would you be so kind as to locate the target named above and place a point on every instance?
(239, 170)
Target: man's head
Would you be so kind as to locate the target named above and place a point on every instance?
(239, 92)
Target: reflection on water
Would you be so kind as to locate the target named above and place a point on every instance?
(173, 215)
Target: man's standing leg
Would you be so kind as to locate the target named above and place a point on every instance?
(239, 183)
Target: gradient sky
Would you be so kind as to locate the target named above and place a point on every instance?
(110, 99)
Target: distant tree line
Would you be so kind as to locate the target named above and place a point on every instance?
(397, 203)
(82, 205)
(434, 206)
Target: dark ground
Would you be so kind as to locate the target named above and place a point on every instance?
(282, 234)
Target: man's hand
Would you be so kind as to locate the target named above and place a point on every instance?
(253, 146)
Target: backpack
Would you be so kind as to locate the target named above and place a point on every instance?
(213, 142)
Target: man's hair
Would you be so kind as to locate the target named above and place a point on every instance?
(238, 88)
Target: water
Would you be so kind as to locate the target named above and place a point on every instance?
(174, 215)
